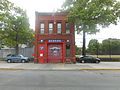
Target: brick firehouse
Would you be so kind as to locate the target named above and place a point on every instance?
(54, 38)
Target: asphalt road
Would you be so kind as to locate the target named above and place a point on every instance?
(59, 80)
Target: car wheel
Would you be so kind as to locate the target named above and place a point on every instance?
(83, 61)
(9, 61)
(97, 61)
(23, 61)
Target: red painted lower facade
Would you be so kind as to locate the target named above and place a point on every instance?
(50, 52)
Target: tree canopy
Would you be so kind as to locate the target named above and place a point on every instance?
(15, 29)
(110, 46)
(78, 50)
(93, 46)
(87, 14)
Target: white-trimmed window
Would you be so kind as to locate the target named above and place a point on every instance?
(50, 28)
(59, 27)
(42, 28)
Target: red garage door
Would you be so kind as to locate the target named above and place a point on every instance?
(54, 53)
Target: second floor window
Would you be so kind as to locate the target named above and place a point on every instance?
(50, 28)
(59, 28)
(67, 28)
(42, 28)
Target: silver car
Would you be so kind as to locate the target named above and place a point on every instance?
(16, 58)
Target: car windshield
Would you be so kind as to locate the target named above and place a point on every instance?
(9, 55)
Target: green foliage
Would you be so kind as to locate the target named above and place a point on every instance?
(109, 46)
(5, 7)
(93, 46)
(78, 50)
(87, 14)
(15, 30)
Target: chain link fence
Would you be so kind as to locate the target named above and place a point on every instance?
(24, 51)
(106, 49)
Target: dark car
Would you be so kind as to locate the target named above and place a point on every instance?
(88, 59)
(16, 58)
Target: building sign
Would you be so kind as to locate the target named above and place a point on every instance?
(55, 51)
(55, 40)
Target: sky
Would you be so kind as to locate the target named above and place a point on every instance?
(113, 31)
(37, 5)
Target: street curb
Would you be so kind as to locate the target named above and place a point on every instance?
(11, 69)
(80, 69)
(100, 69)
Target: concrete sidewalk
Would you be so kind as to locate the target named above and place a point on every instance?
(77, 66)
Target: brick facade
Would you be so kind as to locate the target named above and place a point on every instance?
(53, 44)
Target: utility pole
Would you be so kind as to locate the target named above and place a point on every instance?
(84, 44)
(110, 48)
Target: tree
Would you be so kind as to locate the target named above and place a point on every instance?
(105, 46)
(93, 46)
(78, 50)
(111, 46)
(88, 14)
(16, 29)
(115, 46)
(5, 7)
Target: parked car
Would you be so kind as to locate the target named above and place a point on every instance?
(9, 55)
(88, 59)
(16, 58)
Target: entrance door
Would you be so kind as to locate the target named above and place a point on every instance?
(54, 53)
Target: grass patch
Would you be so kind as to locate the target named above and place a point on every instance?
(107, 58)
(104, 56)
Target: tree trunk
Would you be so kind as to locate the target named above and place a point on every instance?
(84, 44)
(17, 45)
(17, 49)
